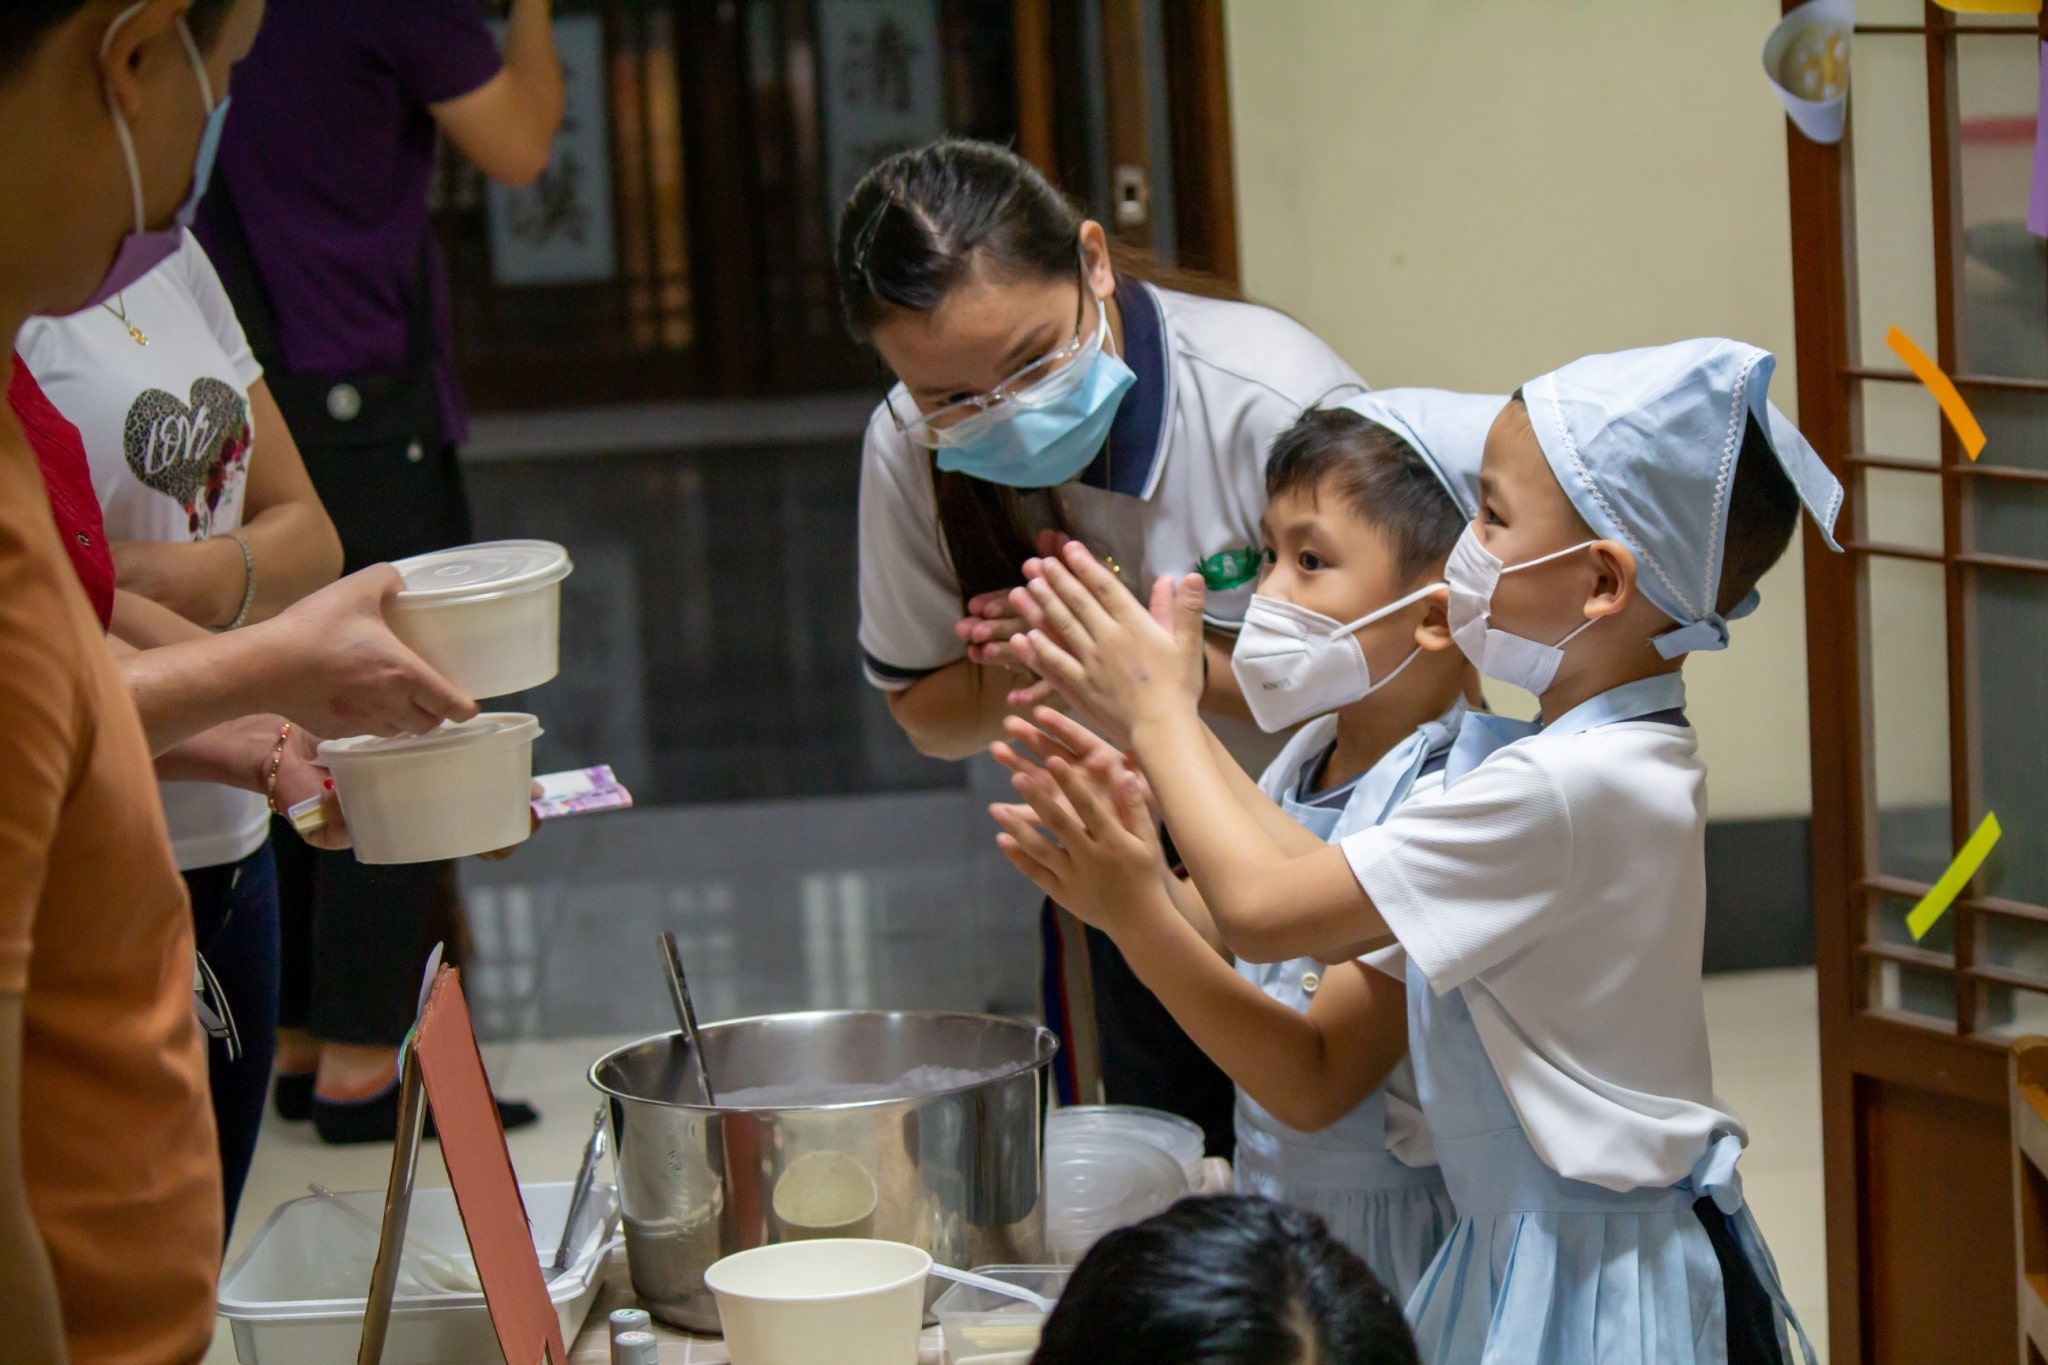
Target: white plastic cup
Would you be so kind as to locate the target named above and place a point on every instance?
(486, 616)
(450, 793)
(1821, 115)
(848, 1301)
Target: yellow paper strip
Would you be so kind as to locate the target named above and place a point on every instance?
(1943, 893)
(1991, 6)
(1959, 415)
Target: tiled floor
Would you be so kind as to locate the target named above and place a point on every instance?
(1765, 1058)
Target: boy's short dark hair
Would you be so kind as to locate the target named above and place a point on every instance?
(1763, 511)
(1380, 477)
(1229, 1280)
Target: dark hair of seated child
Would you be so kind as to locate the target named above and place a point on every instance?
(1226, 1280)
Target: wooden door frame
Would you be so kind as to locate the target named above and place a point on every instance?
(1203, 172)
(1857, 1044)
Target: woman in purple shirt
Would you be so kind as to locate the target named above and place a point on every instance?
(317, 222)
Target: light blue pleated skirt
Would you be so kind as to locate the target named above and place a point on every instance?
(1592, 1287)
(1394, 1216)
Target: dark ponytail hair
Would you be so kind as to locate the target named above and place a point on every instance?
(1229, 1280)
(918, 225)
(25, 23)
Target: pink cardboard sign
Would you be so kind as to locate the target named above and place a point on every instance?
(486, 1189)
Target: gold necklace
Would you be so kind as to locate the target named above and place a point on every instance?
(119, 308)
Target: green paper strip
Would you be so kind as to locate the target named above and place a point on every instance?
(1943, 893)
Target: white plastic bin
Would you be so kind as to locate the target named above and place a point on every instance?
(296, 1296)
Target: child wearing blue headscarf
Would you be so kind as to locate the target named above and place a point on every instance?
(1347, 632)
(1550, 898)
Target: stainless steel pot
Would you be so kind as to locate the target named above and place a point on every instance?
(956, 1172)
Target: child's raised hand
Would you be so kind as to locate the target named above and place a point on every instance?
(1105, 865)
(1057, 735)
(1104, 650)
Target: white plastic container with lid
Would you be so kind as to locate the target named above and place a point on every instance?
(295, 1297)
(848, 1301)
(455, 791)
(486, 616)
(1179, 1138)
(1095, 1183)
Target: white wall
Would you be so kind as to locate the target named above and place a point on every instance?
(1466, 193)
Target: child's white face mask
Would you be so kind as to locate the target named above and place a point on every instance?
(1473, 571)
(1292, 663)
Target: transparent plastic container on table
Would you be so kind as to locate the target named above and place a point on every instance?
(1095, 1184)
(1179, 1138)
(982, 1328)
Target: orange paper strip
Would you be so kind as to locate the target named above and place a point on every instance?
(480, 1169)
(1944, 390)
(1991, 6)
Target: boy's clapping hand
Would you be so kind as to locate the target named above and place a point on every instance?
(1106, 652)
(1057, 735)
(1105, 865)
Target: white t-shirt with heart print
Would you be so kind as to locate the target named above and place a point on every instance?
(169, 433)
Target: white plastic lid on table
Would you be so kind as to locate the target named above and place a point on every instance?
(508, 727)
(1179, 1138)
(491, 568)
(1096, 1183)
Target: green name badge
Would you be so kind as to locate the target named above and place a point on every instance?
(1230, 569)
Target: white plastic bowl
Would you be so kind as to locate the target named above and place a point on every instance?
(846, 1301)
(487, 616)
(450, 793)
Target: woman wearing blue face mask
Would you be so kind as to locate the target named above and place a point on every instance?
(1041, 396)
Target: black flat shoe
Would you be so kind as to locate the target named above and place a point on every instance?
(293, 1095)
(344, 1123)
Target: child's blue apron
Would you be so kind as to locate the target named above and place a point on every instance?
(1542, 1269)
(1392, 1214)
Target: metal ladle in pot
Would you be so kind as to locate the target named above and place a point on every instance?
(686, 1016)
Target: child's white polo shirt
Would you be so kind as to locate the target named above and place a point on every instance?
(1562, 885)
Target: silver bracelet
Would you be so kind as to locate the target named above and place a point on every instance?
(248, 581)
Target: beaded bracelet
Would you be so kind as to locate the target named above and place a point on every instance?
(276, 762)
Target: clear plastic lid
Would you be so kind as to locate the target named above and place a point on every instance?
(1094, 1183)
(490, 569)
(1177, 1137)
(492, 726)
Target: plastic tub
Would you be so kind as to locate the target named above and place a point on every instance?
(1095, 1184)
(987, 1329)
(452, 792)
(848, 1301)
(1177, 1137)
(295, 1297)
(488, 616)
